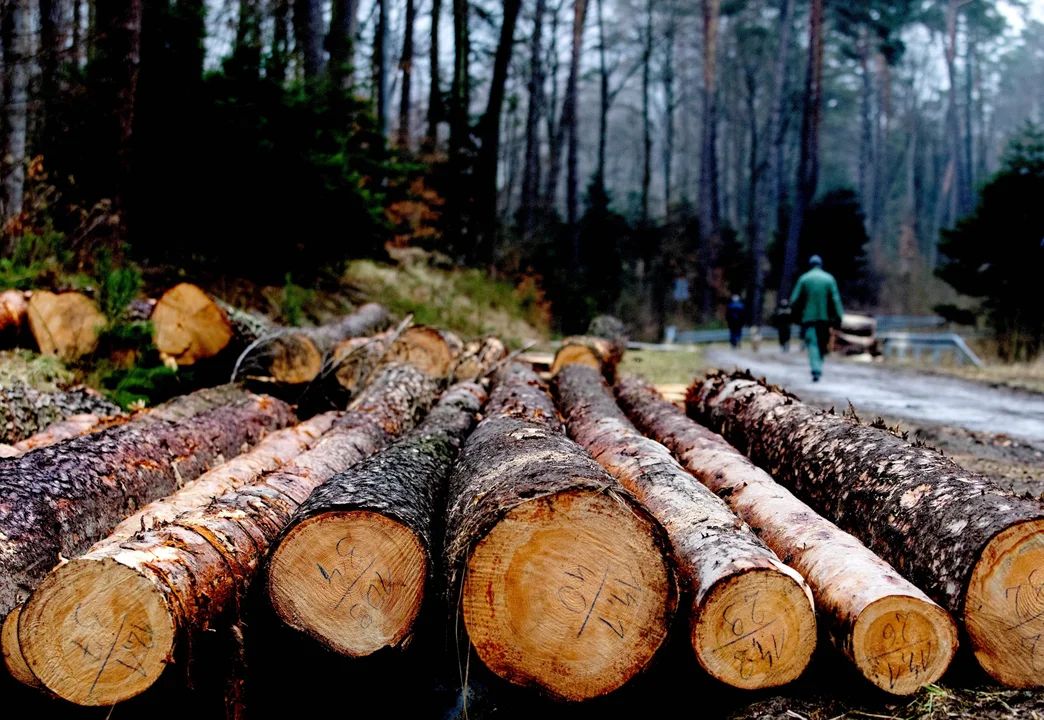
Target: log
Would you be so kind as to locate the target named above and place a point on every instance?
(351, 567)
(609, 328)
(974, 549)
(892, 632)
(13, 312)
(419, 345)
(188, 326)
(25, 411)
(559, 574)
(66, 325)
(101, 628)
(12, 652)
(56, 501)
(752, 623)
(295, 356)
(479, 357)
(56, 432)
(598, 353)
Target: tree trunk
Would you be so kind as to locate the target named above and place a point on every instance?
(17, 39)
(531, 166)
(340, 41)
(177, 580)
(971, 547)
(646, 120)
(358, 597)
(668, 115)
(594, 352)
(379, 67)
(275, 67)
(866, 136)
(960, 203)
(436, 111)
(808, 169)
(478, 358)
(755, 231)
(555, 130)
(24, 411)
(969, 104)
(52, 45)
(77, 34)
(709, 211)
(559, 574)
(721, 560)
(433, 352)
(247, 48)
(460, 90)
(308, 36)
(60, 499)
(406, 66)
(603, 104)
(489, 133)
(775, 190)
(857, 593)
(569, 111)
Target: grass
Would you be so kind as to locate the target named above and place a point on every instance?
(468, 302)
(665, 367)
(26, 368)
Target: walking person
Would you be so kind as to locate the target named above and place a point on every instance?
(782, 320)
(817, 302)
(735, 316)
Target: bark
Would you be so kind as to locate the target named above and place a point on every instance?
(489, 132)
(25, 411)
(406, 66)
(425, 348)
(720, 559)
(308, 36)
(60, 430)
(530, 522)
(866, 136)
(595, 352)
(436, 111)
(646, 120)
(17, 39)
(808, 169)
(855, 591)
(275, 67)
(555, 130)
(181, 579)
(709, 210)
(947, 530)
(341, 40)
(569, 120)
(960, 200)
(60, 499)
(52, 44)
(534, 111)
(603, 102)
(670, 33)
(312, 579)
(478, 359)
(117, 57)
(379, 67)
(775, 190)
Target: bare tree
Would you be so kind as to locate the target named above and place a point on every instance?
(531, 165)
(308, 33)
(340, 40)
(436, 111)
(646, 120)
(16, 48)
(670, 103)
(555, 129)
(709, 209)
(406, 66)
(278, 58)
(569, 113)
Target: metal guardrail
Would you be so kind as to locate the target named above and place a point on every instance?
(902, 344)
(885, 323)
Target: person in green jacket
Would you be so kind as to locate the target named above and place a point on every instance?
(817, 302)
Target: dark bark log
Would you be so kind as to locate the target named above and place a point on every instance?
(972, 548)
(179, 579)
(25, 411)
(720, 559)
(534, 111)
(406, 66)
(856, 593)
(308, 34)
(350, 570)
(436, 109)
(534, 528)
(58, 500)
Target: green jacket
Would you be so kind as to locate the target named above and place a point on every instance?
(816, 298)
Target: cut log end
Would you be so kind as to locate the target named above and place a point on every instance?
(13, 658)
(1004, 607)
(902, 643)
(66, 325)
(755, 630)
(353, 580)
(576, 355)
(295, 359)
(569, 593)
(96, 632)
(189, 326)
(426, 349)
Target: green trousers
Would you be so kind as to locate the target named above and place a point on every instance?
(817, 339)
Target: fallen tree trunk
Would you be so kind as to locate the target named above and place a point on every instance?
(102, 627)
(25, 411)
(594, 352)
(66, 325)
(478, 357)
(296, 355)
(423, 347)
(752, 623)
(972, 548)
(894, 634)
(609, 328)
(56, 432)
(57, 500)
(351, 567)
(559, 573)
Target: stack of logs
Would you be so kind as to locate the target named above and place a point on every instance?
(567, 531)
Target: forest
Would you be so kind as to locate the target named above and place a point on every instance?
(643, 157)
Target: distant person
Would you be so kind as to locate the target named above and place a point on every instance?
(782, 321)
(817, 302)
(735, 316)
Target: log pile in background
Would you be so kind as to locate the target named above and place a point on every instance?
(189, 326)
(58, 500)
(25, 411)
(894, 634)
(974, 549)
(478, 357)
(176, 580)
(67, 324)
(602, 348)
(351, 567)
(559, 573)
(752, 622)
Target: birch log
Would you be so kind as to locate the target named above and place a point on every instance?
(892, 632)
(559, 574)
(752, 622)
(974, 549)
